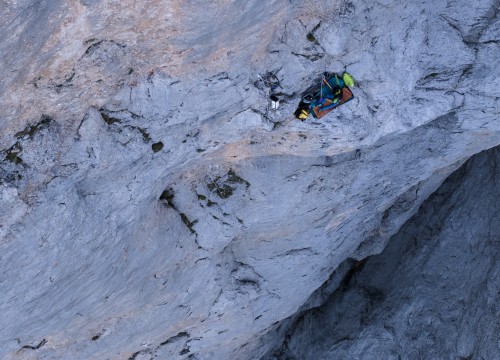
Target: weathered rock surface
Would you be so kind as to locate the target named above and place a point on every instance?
(152, 205)
(433, 293)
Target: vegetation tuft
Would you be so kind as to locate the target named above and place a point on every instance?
(157, 146)
(12, 154)
(225, 187)
(33, 129)
(109, 119)
(188, 223)
(167, 197)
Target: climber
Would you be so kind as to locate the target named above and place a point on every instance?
(332, 92)
(275, 102)
(271, 82)
(302, 111)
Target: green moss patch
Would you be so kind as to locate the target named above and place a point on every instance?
(13, 157)
(222, 190)
(145, 135)
(109, 119)
(188, 222)
(310, 36)
(157, 146)
(235, 179)
(12, 154)
(211, 203)
(224, 187)
(33, 129)
(167, 197)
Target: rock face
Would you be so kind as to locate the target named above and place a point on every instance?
(431, 294)
(153, 206)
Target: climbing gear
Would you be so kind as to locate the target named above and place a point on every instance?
(337, 93)
(333, 91)
(326, 82)
(271, 81)
(302, 111)
(308, 98)
(302, 114)
(348, 79)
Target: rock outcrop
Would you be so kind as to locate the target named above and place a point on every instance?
(431, 294)
(152, 205)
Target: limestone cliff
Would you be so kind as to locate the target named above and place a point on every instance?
(431, 294)
(151, 205)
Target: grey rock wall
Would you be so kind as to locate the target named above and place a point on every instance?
(432, 293)
(153, 206)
